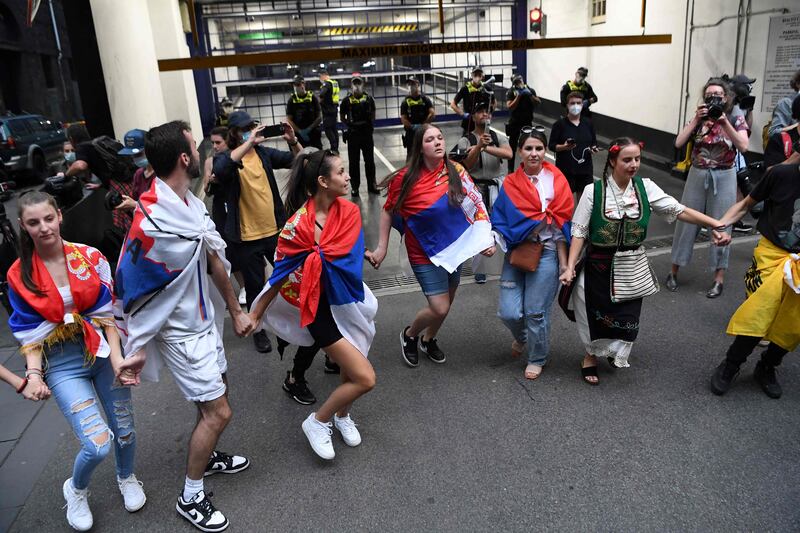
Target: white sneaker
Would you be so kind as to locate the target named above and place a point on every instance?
(242, 297)
(347, 428)
(319, 436)
(79, 515)
(132, 493)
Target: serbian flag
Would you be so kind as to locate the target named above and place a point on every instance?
(163, 262)
(39, 320)
(447, 234)
(518, 209)
(334, 265)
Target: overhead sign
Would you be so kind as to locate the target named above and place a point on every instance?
(394, 50)
(783, 59)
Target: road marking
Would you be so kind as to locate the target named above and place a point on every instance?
(384, 160)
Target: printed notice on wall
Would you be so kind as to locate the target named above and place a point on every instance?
(783, 59)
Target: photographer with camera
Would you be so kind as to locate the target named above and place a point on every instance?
(711, 183)
(255, 211)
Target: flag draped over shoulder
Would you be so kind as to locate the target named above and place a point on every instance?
(518, 209)
(448, 234)
(334, 265)
(163, 254)
(38, 321)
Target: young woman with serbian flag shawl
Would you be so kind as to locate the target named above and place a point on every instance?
(61, 298)
(439, 211)
(772, 308)
(534, 204)
(613, 213)
(316, 294)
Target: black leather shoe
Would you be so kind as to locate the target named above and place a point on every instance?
(715, 290)
(374, 190)
(671, 283)
(261, 341)
(765, 376)
(723, 377)
(409, 348)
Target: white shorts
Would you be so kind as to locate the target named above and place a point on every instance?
(197, 364)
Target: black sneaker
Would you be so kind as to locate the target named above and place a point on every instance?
(222, 463)
(331, 367)
(298, 391)
(765, 375)
(408, 347)
(201, 513)
(741, 227)
(723, 377)
(262, 342)
(431, 349)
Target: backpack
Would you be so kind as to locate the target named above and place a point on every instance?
(113, 167)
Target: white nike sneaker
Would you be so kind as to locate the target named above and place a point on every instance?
(201, 513)
(319, 436)
(347, 428)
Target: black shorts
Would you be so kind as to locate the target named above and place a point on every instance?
(324, 329)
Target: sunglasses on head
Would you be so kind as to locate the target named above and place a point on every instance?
(527, 130)
(325, 153)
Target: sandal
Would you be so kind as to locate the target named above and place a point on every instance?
(533, 372)
(590, 371)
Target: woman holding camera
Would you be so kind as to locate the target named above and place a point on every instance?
(711, 184)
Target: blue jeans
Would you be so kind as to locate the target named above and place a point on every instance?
(525, 302)
(77, 388)
(436, 280)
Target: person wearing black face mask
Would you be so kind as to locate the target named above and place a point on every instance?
(473, 93)
(304, 114)
(358, 114)
(711, 183)
(415, 110)
(522, 100)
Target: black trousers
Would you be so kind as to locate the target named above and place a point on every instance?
(743, 346)
(512, 131)
(361, 143)
(252, 257)
(331, 132)
(315, 139)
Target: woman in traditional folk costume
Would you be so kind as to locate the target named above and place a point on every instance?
(61, 296)
(436, 206)
(612, 215)
(531, 222)
(316, 294)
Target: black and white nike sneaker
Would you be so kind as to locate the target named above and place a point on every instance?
(222, 463)
(201, 513)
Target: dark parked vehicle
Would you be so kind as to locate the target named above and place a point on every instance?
(29, 144)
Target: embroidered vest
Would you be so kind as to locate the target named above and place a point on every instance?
(604, 232)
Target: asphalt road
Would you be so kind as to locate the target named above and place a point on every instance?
(471, 446)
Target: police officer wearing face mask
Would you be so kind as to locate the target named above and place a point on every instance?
(580, 85)
(522, 100)
(304, 115)
(357, 112)
(471, 94)
(329, 101)
(225, 109)
(415, 110)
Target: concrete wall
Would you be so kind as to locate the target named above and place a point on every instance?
(131, 37)
(642, 84)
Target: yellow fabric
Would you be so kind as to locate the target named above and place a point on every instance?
(256, 205)
(772, 307)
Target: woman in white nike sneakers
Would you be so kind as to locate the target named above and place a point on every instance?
(61, 298)
(316, 294)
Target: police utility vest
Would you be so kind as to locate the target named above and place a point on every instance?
(330, 104)
(360, 110)
(417, 109)
(582, 88)
(304, 112)
(605, 232)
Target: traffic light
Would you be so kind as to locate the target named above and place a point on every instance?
(536, 20)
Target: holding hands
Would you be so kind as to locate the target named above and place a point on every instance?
(35, 389)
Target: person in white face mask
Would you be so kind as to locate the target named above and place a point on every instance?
(574, 141)
(580, 85)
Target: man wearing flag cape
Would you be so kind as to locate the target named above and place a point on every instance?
(172, 309)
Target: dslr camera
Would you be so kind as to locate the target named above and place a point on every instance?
(715, 106)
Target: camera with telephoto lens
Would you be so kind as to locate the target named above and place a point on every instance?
(715, 106)
(112, 200)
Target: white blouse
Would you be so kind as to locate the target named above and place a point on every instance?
(619, 203)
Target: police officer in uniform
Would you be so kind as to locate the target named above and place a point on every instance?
(473, 92)
(416, 109)
(579, 84)
(225, 109)
(522, 100)
(304, 115)
(357, 112)
(329, 101)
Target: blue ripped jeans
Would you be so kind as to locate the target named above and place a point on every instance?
(525, 302)
(77, 388)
